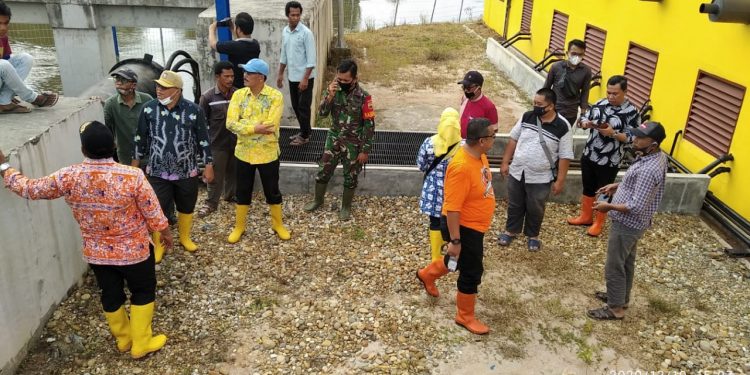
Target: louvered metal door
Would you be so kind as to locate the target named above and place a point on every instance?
(640, 68)
(557, 35)
(713, 113)
(595, 38)
(528, 7)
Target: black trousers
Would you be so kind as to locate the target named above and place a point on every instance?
(181, 193)
(269, 178)
(434, 223)
(595, 176)
(140, 277)
(301, 101)
(470, 267)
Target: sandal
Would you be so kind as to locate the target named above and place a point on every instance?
(603, 313)
(295, 136)
(299, 141)
(13, 108)
(46, 99)
(205, 211)
(505, 239)
(602, 296)
(534, 244)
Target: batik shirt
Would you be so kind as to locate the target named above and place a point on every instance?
(606, 151)
(245, 112)
(353, 120)
(113, 204)
(174, 140)
(431, 200)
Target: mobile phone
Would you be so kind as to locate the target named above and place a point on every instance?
(603, 198)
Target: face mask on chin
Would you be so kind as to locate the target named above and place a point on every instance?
(166, 101)
(641, 151)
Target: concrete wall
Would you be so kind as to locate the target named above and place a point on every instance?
(516, 66)
(684, 194)
(41, 245)
(270, 21)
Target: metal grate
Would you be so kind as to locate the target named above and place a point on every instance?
(713, 113)
(389, 148)
(528, 8)
(558, 32)
(594, 38)
(640, 68)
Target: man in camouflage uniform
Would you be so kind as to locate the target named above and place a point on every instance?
(349, 138)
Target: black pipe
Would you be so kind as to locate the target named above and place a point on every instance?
(507, 19)
(727, 217)
(719, 160)
(709, 8)
(174, 55)
(540, 65)
(719, 171)
(551, 61)
(518, 36)
(194, 73)
(674, 141)
(678, 165)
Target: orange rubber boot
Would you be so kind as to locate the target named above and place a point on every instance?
(586, 216)
(596, 229)
(465, 314)
(429, 274)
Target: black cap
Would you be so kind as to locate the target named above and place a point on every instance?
(472, 78)
(650, 129)
(126, 73)
(97, 140)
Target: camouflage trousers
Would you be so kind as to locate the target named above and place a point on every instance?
(336, 151)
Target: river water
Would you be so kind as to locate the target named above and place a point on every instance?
(134, 42)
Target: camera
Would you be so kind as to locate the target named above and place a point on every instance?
(227, 22)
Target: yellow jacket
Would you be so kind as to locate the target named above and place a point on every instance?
(245, 112)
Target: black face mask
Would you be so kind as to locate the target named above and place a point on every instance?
(539, 111)
(346, 87)
(469, 95)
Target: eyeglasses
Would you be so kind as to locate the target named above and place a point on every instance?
(122, 81)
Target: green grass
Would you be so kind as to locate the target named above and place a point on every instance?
(662, 306)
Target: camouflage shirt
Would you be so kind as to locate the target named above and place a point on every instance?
(353, 119)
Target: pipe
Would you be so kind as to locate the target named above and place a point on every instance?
(507, 19)
(727, 217)
(518, 36)
(540, 65)
(719, 171)
(732, 11)
(674, 141)
(678, 166)
(719, 160)
(193, 73)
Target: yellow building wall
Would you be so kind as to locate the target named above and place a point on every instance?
(686, 42)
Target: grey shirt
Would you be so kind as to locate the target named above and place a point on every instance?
(571, 86)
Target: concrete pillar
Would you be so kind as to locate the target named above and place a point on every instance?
(85, 50)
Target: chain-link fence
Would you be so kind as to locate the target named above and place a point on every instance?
(132, 42)
(373, 14)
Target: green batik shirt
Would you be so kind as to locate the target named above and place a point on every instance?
(353, 119)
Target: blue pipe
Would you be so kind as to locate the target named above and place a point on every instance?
(117, 46)
(222, 11)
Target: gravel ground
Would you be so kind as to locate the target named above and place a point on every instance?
(342, 298)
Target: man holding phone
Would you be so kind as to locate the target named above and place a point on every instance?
(634, 203)
(611, 121)
(349, 139)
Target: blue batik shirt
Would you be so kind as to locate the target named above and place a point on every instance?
(174, 140)
(431, 200)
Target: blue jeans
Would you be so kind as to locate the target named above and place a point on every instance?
(12, 74)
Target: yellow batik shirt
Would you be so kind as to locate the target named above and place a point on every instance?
(245, 112)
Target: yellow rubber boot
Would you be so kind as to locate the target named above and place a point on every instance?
(119, 325)
(436, 244)
(240, 220)
(276, 223)
(465, 314)
(144, 341)
(184, 225)
(158, 247)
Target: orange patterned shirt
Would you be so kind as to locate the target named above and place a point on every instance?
(114, 205)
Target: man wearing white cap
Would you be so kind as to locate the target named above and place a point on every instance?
(254, 114)
(172, 132)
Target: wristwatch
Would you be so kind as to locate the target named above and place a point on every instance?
(456, 241)
(3, 167)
